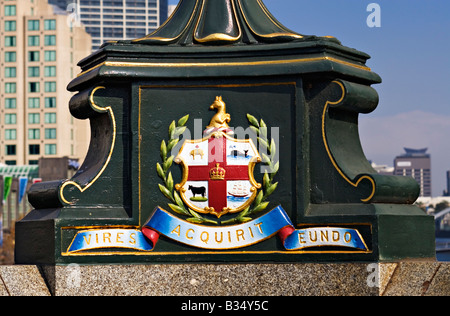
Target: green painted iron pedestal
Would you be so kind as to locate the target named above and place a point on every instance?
(301, 95)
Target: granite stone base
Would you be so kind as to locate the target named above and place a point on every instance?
(22, 281)
(303, 279)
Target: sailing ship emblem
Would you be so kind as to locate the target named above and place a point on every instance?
(239, 191)
(218, 169)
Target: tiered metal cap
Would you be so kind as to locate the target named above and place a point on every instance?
(220, 22)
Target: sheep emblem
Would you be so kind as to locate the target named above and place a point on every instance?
(197, 152)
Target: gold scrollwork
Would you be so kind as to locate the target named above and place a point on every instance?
(91, 182)
(356, 183)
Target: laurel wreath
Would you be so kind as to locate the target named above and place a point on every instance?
(177, 205)
(259, 204)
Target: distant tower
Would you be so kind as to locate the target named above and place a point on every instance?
(415, 163)
(109, 20)
(447, 192)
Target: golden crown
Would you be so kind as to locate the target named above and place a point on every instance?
(217, 173)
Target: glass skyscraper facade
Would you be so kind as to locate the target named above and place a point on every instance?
(112, 20)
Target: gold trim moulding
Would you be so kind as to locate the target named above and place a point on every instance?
(217, 37)
(223, 64)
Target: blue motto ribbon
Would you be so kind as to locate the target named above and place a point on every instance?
(243, 235)
(217, 238)
(325, 236)
(110, 238)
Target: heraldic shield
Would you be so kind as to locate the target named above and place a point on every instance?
(218, 170)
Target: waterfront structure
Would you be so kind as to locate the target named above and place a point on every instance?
(415, 163)
(39, 53)
(109, 20)
(383, 169)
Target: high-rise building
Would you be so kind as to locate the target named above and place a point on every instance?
(38, 57)
(415, 163)
(112, 20)
(447, 191)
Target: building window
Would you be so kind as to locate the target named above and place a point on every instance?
(34, 72)
(50, 71)
(10, 26)
(34, 103)
(34, 40)
(33, 56)
(50, 133)
(50, 55)
(50, 86)
(10, 103)
(50, 40)
(10, 87)
(34, 133)
(34, 118)
(10, 57)
(33, 25)
(10, 72)
(50, 149)
(10, 150)
(34, 149)
(11, 134)
(50, 102)
(10, 41)
(10, 118)
(50, 118)
(10, 10)
(33, 87)
(50, 25)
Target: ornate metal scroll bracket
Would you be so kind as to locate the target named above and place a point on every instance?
(92, 169)
(342, 144)
(334, 149)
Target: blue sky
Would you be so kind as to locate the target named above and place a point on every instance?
(410, 51)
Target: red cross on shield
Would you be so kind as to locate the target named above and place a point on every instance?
(218, 174)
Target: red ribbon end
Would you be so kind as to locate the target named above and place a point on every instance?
(285, 232)
(152, 235)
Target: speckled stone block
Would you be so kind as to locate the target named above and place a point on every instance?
(22, 281)
(440, 285)
(211, 280)
(358, 279)
(411, 278)
(305, 279)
